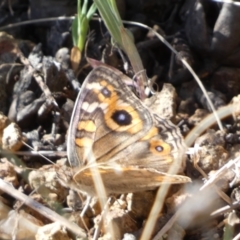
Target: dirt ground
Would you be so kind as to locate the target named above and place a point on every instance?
(38, 88)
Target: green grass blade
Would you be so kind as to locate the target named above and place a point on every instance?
(110, 20)
(75, 31)
(83, 32)
(91, 11)
(115, 11)
(84, 8)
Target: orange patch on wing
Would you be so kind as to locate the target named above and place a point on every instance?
(135, 126)
(84, 142)
(110, 88)
(103, 82)
(161, 148)
(91, 172)
(138, 126)
(153, 132)
(88, 126)
(168, 179)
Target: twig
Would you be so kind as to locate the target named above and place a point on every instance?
(48, 213)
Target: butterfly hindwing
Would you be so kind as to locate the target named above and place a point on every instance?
(118, 179)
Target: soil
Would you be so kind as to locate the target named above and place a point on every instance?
(39, 84)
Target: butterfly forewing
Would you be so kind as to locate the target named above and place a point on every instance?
(107, 118)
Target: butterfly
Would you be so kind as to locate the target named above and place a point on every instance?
(112, 133)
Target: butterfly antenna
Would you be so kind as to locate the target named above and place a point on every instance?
(139, 90)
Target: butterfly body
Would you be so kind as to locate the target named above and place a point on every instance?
(112, 133)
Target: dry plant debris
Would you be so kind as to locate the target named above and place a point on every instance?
(37, 93)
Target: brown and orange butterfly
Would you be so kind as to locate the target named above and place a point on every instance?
(114, 133)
